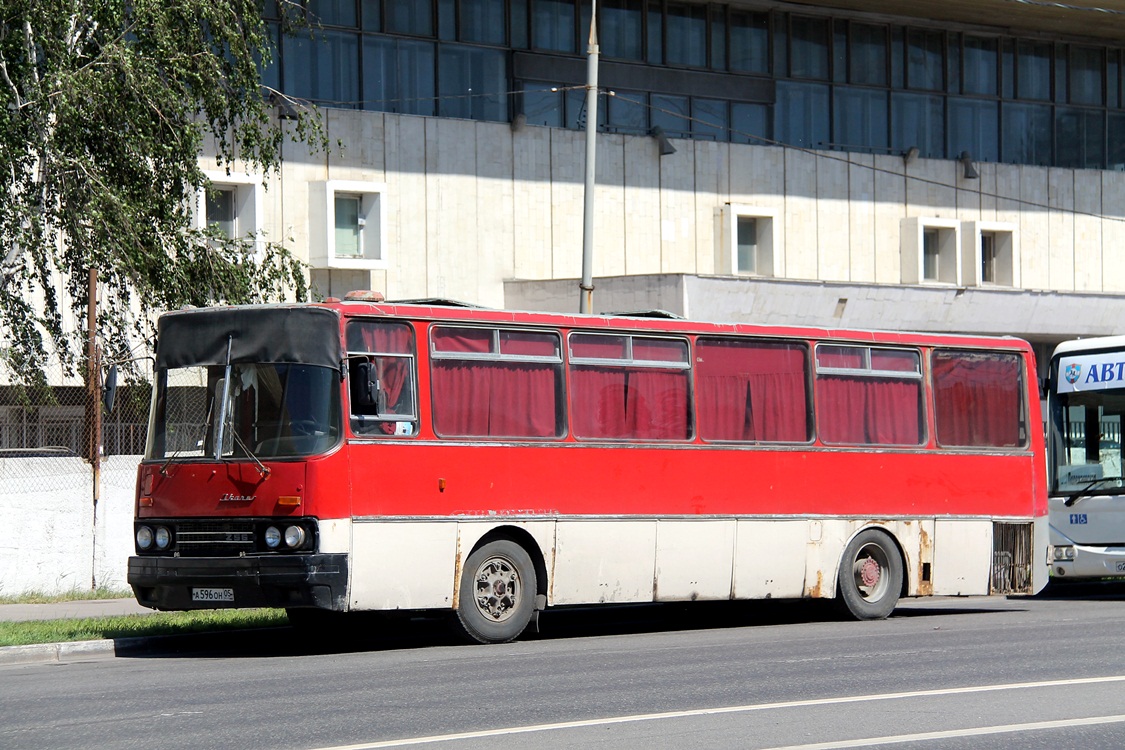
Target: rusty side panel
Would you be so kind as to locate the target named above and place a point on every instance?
(925, 562)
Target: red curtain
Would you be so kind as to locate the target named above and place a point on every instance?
(977, 398)
(751, 391)
(868, 410)
(620, 402)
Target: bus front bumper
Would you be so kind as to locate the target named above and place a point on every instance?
(1087, 561)
(180, 583)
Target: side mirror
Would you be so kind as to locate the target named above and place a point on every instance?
(365, 384)
(109, 390)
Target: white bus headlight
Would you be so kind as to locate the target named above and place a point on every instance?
(1063, 553)
(144, 537)
(163, 537)
(273, 537)
(294, 537)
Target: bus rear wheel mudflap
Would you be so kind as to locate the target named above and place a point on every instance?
(497, 593)
(870, 576)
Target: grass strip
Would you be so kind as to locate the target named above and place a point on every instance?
(38, 597)
(136, 626)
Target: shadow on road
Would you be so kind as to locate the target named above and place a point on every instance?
(377, 632)
(1091, 590)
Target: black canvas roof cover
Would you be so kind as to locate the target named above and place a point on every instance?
(257, 333)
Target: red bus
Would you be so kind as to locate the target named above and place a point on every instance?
(358, 455)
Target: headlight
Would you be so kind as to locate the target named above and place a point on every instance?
(1063, 553)
(273, 537)
(144, 537)
(294, 536)
(163, 537)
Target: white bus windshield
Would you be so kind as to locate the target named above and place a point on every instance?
(1086, 441)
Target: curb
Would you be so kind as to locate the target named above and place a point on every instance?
(56, 652)
(43, 653)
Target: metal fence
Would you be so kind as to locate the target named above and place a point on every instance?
(61, 417)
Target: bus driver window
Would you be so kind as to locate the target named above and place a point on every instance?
(381, 378)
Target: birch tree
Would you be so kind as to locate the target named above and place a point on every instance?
(105, 107)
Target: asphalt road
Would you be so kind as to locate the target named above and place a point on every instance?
(942, 673)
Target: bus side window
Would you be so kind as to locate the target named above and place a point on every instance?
(381, 378)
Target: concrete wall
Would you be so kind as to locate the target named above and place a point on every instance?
(54, 541)
(470, 205)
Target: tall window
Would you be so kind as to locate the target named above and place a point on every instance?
(349, 225)
(988, 273)
(924, 59)
(808, 53)
(220, 211)
(398, 75)
(552, 25)
(1033, 69)
(686, 42)
(749, 41)
(472, 83)
(931, 255)
(981, 65)
(621, 29)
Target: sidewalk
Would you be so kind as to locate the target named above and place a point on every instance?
(72, 609)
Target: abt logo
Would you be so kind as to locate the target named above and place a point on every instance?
(1077, 519)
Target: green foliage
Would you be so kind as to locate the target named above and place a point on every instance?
(105, 109)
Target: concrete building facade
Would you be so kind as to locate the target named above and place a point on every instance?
(959, 181)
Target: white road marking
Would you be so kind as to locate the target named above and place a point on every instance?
(633, 718)
(971, 732)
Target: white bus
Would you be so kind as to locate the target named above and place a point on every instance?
(1085, 403)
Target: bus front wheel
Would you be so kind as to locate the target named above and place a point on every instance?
(497, 595)
(870, 576)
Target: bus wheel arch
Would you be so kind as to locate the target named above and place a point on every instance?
(502, 583)
(871, 576)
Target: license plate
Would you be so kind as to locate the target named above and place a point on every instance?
(212, 595)
(1121, 566)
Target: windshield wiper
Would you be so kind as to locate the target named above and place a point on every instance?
(1087, 490)
(265, 470)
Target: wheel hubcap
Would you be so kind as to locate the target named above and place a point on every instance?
(498, 589)
(871, 569)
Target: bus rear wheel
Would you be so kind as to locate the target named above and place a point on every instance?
(870, 576)
(497, 595)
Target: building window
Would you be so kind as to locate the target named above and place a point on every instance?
(930, 251)
(472, 83)
(232, 204)
(621, 29)
(988, 257)
(990, 254)
(747, 241)
(347, 225)
(220, 210)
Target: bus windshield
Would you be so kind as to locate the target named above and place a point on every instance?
(244, 410)
(1086, 442)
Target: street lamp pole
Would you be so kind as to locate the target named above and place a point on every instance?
(586, 286)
